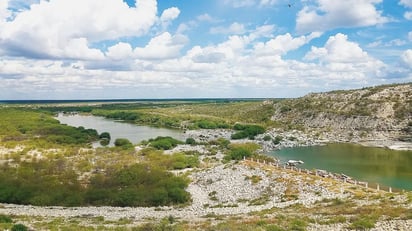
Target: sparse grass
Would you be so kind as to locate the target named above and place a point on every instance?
(362, 222)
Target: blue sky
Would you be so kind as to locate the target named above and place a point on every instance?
(103, 49)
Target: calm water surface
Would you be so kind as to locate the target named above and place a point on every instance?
(375, 165)
(117, 129)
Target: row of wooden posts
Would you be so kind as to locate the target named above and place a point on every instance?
(317, 173)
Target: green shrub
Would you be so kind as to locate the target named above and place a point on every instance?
(277, 140)
(247, 131)
(5, 219)
(137, 185)
(190, 141)
(123, 143)
(19, 227)
(164, 143)
(267, 138)
(238, 151)
(105, 135)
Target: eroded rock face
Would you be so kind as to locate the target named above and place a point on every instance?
(371, 113)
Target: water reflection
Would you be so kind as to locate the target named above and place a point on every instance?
(388, 167)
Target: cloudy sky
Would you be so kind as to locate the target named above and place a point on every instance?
(106, 49)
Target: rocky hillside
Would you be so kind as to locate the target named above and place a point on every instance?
(382, 112)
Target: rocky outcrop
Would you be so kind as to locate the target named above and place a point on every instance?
(383, 112)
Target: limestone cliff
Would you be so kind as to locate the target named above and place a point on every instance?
(382, 112)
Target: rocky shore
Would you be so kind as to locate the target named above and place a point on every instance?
(296, 138)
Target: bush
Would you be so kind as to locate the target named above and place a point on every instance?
(123, 143)
(105, 135)
(19, 227)
(237, 152)
(247, 131)
(164, 143)
(137, 185)
(5, 219)
(277, 140)
(207, 124)
(190, 141)
(267, 138)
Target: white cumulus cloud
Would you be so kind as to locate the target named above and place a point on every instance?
(330, 14)
(282, 44)
(345, 59)
(407, 57)
(59, 25)
(163, 46)
(408, 15)
(120, 51)
(406, 3)
(338, 49)
(4, 12)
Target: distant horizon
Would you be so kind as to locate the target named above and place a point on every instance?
(182, 99)
(129, 100)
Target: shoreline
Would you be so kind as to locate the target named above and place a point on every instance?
(389, 144)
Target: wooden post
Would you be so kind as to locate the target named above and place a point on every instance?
(366, 185)
(390, 189)
(377, 187)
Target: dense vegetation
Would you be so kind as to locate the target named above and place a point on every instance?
(18, 125)
(164, 143)
(56, 183)
(247, 131)
(240, 151)
(137, 185)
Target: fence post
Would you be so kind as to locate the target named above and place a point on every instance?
(390, 189)
(377, 187)
(366, 185)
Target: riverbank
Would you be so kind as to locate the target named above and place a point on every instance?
(393, 145)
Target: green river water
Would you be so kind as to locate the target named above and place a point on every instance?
(374, 165)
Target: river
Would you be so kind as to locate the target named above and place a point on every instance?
(117, 129)
(375, 165)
